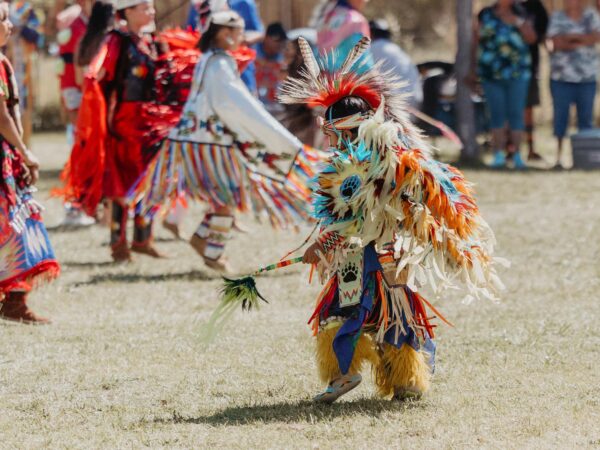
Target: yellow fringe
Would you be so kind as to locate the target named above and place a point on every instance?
(327, 362)
(402, 368)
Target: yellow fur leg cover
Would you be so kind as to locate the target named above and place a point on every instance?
(327, 362)
(402, 368)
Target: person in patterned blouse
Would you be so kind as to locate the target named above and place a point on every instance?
(503, 35)
(574, 65)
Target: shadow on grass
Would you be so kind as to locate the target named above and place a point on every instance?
(194, 275)
(59, 229)
(88, 264)
(303, 411)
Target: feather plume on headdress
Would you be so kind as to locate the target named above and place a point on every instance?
(324, 81)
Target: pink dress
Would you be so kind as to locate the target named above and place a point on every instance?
(341, 28)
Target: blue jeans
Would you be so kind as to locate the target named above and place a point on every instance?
(564, 94)
(506, 100)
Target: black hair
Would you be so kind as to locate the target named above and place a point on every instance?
(208, 37)
(99, 24)
(276, 30)
(348, 106)
(380, 29)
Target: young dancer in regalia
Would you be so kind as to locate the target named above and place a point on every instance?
(227, 149)
(26, 255)
(392, 221)
(121, 124)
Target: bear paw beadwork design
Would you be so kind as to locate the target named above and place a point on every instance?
(349, 273)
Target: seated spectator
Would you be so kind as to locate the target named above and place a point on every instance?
(573, 34)
(396, 60)
(270, 65)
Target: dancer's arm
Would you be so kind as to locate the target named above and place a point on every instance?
(239, 110)
(10, 133)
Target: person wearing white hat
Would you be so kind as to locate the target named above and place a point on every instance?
(227, 149)
(125, 74)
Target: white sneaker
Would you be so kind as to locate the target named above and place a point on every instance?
(76, 218)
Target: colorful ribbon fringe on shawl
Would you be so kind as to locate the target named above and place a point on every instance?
(84, 174)
(221, 175)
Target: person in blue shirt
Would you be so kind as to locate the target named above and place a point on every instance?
(254, 32)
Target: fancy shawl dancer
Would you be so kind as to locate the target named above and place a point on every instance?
(392, 221)
(227, 149)
(26, 255)
(122, 123)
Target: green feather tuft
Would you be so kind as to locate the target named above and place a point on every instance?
(238, 292)
(241, 291)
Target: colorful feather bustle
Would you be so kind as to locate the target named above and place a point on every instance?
(221, 175)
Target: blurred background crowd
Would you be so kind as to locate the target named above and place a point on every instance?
(525, 54)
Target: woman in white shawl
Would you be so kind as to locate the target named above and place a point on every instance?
(227, 149)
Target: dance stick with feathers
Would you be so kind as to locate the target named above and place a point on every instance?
(239, 292)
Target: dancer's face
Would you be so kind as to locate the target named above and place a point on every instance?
(6, 25)
(334, 138)
(140, 15)
(230, 39)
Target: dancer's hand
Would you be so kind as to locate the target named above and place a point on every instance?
(313, 254)
(32, 165)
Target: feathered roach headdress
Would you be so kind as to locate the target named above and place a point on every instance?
(324, 82)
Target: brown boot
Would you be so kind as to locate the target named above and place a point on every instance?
(14, 308)
(146, 248)
(120, 252)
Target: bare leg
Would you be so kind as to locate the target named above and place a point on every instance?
(499, 139)
(560, 142)
(516, 137)
(529, 129)
(499, 142)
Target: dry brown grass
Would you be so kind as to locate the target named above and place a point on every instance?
(122, 366)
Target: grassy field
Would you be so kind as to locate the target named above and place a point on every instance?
(122, 367)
